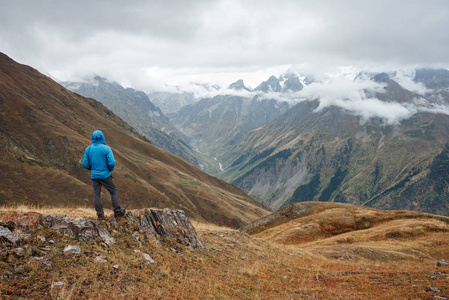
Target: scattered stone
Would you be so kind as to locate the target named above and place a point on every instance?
(7, 276)
(442, 262)
(7, 236)
(51, 241)
(22, 226)
(57, 283)
(433, 277)
(148, 258)
(116, 267)
(136, 235)
(38, 258)
(101, 259)
(41, 238)
(439, 297)
(47, 264)
(46, 249)
(19, 252)
(433, 289)
(348, 258)
(72, 250)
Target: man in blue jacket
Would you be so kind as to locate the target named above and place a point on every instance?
(98, 158)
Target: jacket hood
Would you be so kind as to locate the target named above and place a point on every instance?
(98, 137)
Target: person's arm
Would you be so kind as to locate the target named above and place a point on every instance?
(111, 160)
(86, 159)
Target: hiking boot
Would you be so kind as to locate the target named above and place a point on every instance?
(101, 218)
(120, 213)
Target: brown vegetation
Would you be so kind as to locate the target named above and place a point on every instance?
(233, 266)
(355, 232)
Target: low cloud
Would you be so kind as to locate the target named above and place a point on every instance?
(405, 79)
(355, 97)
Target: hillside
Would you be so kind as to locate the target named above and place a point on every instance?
(400, 263)
(137, 110)
(361, 232)
(44, 130)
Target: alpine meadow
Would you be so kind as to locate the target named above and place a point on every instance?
(224, 149)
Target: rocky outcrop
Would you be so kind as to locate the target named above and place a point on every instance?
(168, 225)
(80, 228)
(158, 227)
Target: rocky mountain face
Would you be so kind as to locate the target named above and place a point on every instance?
(214, 125)
(136, 108)
(44, 130)
(239, 86)
(330, 154)
(288, 82)
(170, 102)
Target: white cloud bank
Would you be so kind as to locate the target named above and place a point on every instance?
(355, 97)
(148, 44)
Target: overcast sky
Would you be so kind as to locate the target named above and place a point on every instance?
(146, 44)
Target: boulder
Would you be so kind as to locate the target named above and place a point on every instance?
(168, 226)
(442, 262)
(7, 236)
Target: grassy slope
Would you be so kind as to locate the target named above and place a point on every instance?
(44, 130)
(234, 266)
(339, 230)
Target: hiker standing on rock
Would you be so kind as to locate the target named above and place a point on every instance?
(98, 158)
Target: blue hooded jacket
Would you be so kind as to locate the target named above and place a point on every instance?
(98, 157)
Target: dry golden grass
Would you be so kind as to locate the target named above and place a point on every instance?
(233, 266)
(201, 226)
(70, 212)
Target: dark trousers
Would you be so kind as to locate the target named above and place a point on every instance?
(109, 184)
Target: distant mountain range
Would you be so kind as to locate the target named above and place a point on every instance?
(44, 129)
(395, 158)
(293, 138)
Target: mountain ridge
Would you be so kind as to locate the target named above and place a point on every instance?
(44, 131)
(137, 109)
(333, 146)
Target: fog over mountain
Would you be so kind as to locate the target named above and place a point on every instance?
(154, 45)
(356, 93)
